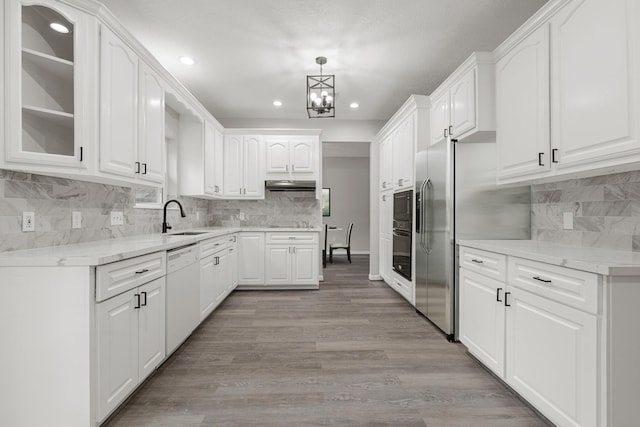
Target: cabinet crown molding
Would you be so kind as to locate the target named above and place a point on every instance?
(476, 58)
(413, 103)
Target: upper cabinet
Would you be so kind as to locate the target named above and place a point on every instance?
(463, 107)
(568, 92)
(243, 166)
(386, 178)
(131, 113)
(292, 157)
(48, 97)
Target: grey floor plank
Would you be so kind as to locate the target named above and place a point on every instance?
(353, 353)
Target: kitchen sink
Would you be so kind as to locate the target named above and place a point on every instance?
(189, 233)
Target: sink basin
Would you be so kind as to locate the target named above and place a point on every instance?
(188, 233)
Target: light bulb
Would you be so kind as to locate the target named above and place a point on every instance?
(324, 93)
(316, 102)
(313, 96)
(329, 99)
(56, 26)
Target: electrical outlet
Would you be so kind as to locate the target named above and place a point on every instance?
(567, 220)
(241, 216)
(117, 218)
(197, 216)
(28, 221)
(76, 219)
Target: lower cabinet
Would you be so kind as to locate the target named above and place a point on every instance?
(131, 341)
(251, 261)
(233, 262)
(214, 281)
(291, 264)
(537, 329)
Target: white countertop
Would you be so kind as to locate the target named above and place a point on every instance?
(105, 251)
(595, 260)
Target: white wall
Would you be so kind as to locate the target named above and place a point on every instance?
(348, 179)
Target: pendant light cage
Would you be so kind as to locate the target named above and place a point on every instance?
(321, 93)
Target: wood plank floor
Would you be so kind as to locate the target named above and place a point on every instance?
(353, 353)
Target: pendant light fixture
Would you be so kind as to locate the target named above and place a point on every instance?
(321, 93)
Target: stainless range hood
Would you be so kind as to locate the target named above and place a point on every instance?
(285, 185)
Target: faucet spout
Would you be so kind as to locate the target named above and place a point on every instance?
(165, 224)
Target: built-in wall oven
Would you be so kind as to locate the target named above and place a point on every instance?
(402, 232)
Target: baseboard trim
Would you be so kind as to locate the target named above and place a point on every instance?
(360, 253)
(321, 278)
(375, 277)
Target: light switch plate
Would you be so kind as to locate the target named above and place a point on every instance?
(117, 218)
(28, 221)
(76, 219)
(567, 220)
(241, 216)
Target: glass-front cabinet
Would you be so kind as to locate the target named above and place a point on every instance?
(45, 103)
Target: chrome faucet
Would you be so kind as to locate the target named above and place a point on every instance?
(165, 225)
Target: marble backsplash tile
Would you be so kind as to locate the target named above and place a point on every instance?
(53, 199)
(606, 211)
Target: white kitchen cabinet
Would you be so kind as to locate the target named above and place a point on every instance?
(150, 159)
(522, 105)
(552, 355)
(251, 248)
(233, 262)
(213, 161)
(131, 114)
(386, 164)
(386, 231)
(595, 62)
(49, 99)
(214, 274)
(118, 105)
(463, 107)
(292, 157)
(291, 259)
(207, 285)
(482, 319)
(130, 341)
(562, 108)
(243, 166)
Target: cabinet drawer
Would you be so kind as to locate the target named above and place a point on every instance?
(211, 246)
(489, 264)
(287, 238)
(117, 277)
(574, 288)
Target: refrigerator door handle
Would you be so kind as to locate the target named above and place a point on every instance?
(430, 216)
(427, 215)
(423, 212)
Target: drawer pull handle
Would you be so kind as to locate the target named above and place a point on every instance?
(144, 270)
(137, 306)
(478, 261)
(498, 295)
(506, 299)
(540, 279)
(144, 294)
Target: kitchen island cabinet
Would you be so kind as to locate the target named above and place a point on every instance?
(557, 324)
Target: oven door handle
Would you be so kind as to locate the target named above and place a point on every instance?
(401, 233)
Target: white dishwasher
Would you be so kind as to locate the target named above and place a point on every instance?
(183, 294)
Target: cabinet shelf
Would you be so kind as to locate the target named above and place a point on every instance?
(58, 67)
(59, 118)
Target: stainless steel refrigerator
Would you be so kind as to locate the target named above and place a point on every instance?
(457, 198)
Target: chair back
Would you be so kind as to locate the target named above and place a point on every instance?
(324, 236)
(349, 234)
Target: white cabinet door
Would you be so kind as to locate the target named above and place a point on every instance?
(386, 165)
(251, 258)
(304, 265)
(151, 327)
(207, 285)
(482, 319)
(439, 115)
(209, 159)
(233, 162)
(222, 276)
(552, 356)
(403, 153)
(233, 267)
(118, 105)
(218, 162)
(278, 264)
(117, 323)
(151, 141)
(303, 158)
(253, 167)
(277, 155)
(594, 68)
(522, 104)
(463, 104)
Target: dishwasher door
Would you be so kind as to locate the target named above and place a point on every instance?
(183, 295)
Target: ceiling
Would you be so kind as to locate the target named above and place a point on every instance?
(252, 52)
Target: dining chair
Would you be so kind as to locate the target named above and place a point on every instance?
(324, 246)
(346, 246)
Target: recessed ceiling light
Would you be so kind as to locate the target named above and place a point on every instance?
(354, 105)
(56, 26)
(187, 60)
(277, 103)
